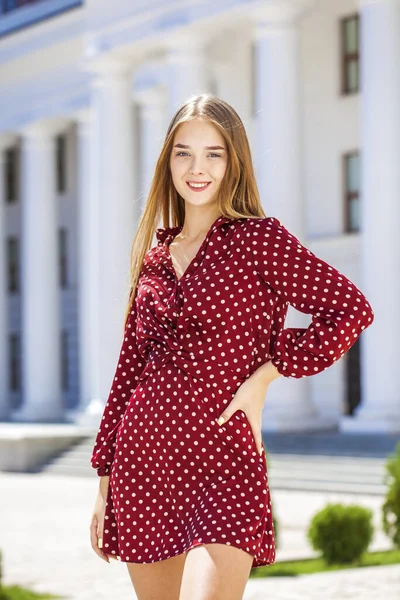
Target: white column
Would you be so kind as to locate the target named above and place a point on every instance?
(4, 356)
(90, 403)
(288, 406)
(152, 115)
(40, 294)
(114, 170)
(380, 217)
(277, 155)
(187, 69)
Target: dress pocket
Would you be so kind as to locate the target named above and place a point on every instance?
(240, 429)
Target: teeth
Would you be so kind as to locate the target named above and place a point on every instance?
(198, 185)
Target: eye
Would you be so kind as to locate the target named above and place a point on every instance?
(211, 153)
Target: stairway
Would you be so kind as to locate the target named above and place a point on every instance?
(352, 475)
(305, 469)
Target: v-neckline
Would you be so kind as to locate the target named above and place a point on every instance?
(170, 238)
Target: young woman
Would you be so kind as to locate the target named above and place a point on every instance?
(184, 498)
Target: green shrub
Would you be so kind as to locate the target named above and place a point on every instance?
(391, 506)
(341, 533)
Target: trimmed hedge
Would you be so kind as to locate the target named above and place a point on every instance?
(391, 506)
(341, 533)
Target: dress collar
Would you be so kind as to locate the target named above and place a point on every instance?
(163, 233)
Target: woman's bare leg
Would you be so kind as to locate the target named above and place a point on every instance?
(215, 572)
(161, 579)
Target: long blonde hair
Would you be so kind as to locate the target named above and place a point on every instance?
(238, 194)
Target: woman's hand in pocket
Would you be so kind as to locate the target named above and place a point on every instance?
(250, 399)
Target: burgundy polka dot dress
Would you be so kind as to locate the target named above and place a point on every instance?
(177, 478)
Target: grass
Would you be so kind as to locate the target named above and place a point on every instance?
(15, 592)
(318, 565)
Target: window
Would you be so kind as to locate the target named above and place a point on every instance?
(64, 361)
(13, 264)
(63, 257)
(10, 175)
(9, 5)
(15, 15)
(61, 160)
(353, 378)
(15, 362)
(350, 54)
(351, 166)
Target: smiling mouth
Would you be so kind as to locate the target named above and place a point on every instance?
(198, 187)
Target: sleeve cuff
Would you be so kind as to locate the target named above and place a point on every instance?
(105, 470)
(281, 366)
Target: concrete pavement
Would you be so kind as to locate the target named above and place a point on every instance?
(44, 536)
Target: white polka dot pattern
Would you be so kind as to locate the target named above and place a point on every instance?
(177, 479)
(340, 312)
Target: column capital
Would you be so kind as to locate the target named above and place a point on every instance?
(108, 67)
(149, 97)
(365, 3)
(44, 129)
(7, 140)
(84, 120)
(280, 13)
(85, 115)
(182, 47)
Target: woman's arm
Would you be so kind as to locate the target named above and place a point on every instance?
(340, 311)
(129, 367)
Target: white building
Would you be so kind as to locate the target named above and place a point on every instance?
(87, 89)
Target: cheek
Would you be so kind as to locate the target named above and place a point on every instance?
(219, 171)
(177, 170)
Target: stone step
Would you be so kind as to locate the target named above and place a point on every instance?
(284, 466)
(341, 487)
(277, 482)
(353, 475)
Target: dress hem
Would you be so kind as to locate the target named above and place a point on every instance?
(198, 543)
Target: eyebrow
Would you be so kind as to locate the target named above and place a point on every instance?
(206, 147)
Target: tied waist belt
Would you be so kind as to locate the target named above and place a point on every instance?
(204, 369)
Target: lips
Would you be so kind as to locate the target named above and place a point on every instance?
(198, 188)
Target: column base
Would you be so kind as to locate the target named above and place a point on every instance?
(372, 424)
(285, 424)
(91, 414)
(38, 414)
(5, 414)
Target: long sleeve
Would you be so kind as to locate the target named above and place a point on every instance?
(340, 311)
(129, 367)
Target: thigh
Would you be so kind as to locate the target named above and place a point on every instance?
(161, 579)
(215, 572)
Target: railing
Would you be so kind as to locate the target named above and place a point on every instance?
(18, 14)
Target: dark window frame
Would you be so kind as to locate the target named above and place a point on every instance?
(10, 175)
(14, 369)
(350, 196)
(348, 57)
(63, 256)
(13, 264)
(61, 163)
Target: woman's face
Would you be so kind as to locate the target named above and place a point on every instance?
(199, 155)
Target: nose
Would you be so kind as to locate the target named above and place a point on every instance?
(195, 168)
